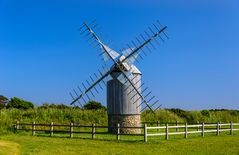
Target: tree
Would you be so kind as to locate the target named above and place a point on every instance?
(19, 104)
(3, 101)
(93, 105)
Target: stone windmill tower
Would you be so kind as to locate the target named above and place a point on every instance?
(127, 96)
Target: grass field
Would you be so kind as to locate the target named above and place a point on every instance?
(40, 145)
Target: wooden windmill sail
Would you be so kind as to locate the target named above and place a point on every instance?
(127, 96)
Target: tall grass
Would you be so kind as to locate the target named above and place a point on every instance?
(64, 116)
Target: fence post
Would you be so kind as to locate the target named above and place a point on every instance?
(145, 132)
(17, 126)
(166, 134)
(198, 126)
(158, 124)
(231, 127)
(186, 130)
(33, 128)
(93, 131)
(218, 128)
(202, 129)
(78, 127)
(71, 130)
(51, 129)
(118, 131)
(177, 126)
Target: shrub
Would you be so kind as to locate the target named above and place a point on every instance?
(181, 113)
(205, 113)
(234, 112)
(19, 104)
(3, 101)
(93, 105)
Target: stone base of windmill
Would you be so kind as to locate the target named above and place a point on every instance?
(124, 121)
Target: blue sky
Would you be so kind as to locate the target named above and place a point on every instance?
(43, 56)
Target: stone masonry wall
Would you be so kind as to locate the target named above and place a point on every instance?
(125, 121)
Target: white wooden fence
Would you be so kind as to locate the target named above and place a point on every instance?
(162, 129)
(202, 128)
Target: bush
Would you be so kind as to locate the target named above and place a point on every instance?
(19, 104)
(205, 113)
(181, 113)
(93, 105)
(3, 101)
(234, 112)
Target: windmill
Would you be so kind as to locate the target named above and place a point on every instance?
(127, 96)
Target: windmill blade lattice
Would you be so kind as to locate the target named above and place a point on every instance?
(123, 64)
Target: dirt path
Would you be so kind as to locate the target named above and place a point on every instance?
(9, 148)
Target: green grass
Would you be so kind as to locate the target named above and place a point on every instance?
(7, 147)
(39, 145)
(23, 143)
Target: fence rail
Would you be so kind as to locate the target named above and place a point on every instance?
(216, 128)
(148, 131)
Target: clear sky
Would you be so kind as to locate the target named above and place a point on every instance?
(43, 56)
